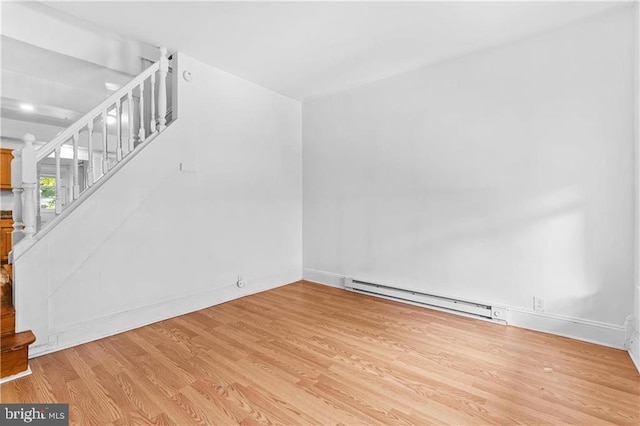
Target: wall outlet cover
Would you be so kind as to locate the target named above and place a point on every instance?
(499, 313)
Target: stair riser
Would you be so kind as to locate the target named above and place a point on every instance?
(14, 361)
(8, 324)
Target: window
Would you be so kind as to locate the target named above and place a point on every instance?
(47, 193)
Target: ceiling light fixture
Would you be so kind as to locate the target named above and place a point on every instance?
(27, 107)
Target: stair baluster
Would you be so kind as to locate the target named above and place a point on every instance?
(105, 148)
(141, 135)
(58, 205)
(76, 177)
(130, 123)
(152, 121)
(90, 171)
(118, 132)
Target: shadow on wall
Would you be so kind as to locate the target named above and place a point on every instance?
(492, 247)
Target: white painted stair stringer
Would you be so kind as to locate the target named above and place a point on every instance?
(55, 258)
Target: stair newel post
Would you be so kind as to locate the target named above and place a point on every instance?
(141, 134)
(118, 132)
(29, 185)
(58, 182)
(76, 174)
(152, 104)
(16, 188)
(90, 174)
(162, 89)
(105, 151)
(130, 111)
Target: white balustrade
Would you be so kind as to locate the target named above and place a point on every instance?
(24, 178)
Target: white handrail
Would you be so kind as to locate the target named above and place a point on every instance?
(45, 150)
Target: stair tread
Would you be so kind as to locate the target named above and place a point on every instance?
(17, 340)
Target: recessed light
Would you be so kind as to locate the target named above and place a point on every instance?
(27, 107)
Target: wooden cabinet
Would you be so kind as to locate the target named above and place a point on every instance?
(6, 223)
(6, 228)
(6, 156)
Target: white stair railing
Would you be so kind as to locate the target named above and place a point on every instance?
(113, 117)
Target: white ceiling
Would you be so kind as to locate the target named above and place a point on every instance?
(26, 59)
(306, 49)
(59, 87)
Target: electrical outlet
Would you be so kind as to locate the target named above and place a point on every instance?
(538, 303)
(241, 282)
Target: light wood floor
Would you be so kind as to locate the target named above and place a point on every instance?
(310, 354)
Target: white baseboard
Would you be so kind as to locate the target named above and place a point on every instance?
(605, 334)
(120, 322)
(321, 277)
(11, 378)
(561, 325)
(634, 349)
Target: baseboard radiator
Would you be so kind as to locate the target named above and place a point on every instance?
(478, 310)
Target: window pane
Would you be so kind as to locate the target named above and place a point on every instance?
(47, 192)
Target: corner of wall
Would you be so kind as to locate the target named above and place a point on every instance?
(633, 343)
(633, 331)
(321, 277)
(634, 349)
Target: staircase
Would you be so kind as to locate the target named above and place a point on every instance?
(89, 151)
(14, 346)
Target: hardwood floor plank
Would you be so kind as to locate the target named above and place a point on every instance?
(87, 410)
(311, 354)
(99, 394)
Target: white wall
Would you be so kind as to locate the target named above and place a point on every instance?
(155, 242)
(495, 177)
(633, 329)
